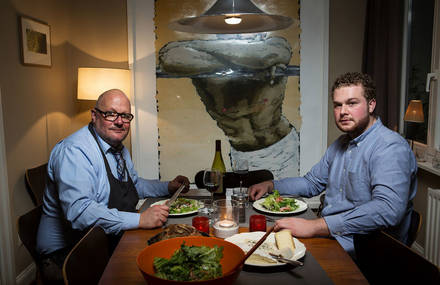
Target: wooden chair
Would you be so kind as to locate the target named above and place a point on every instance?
(232, 180)
(86, 262)
(36, 179)
(27, 231)
(414, 227)
(385, 260)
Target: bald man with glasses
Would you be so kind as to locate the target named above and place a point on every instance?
(92, 181)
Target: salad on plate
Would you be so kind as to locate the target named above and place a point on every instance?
(183, 205)
(275, 203)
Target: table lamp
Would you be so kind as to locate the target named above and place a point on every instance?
(92, 82)
(414, 114)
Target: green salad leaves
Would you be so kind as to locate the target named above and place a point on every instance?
(190, 263)
(275, 203)
(182, 205)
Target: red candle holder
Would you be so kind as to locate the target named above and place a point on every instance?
(257, 223)
(201, 224)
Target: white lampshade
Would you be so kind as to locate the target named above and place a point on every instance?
(92, 82)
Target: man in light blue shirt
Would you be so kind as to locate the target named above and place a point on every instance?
(369, 173)
(92, 181)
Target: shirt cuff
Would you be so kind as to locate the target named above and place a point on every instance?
(335, 225)
(130, 220)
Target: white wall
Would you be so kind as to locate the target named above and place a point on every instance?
(313, 82)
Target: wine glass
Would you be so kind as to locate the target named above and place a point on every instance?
(211, 180)
(241, 167)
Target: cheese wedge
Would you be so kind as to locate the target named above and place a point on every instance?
(285, 243)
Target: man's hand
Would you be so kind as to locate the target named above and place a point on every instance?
(153, 217)
(176, 182)
(258, 190)
(303, 228)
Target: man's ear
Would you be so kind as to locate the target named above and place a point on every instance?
(93, 115)
(371, 106)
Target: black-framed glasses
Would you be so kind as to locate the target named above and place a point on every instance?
(113, 116)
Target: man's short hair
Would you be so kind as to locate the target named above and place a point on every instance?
(357, 78)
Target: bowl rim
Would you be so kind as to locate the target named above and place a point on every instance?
(234, 270)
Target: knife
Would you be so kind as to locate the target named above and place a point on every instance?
(175, 195)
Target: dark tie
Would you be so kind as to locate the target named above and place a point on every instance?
(121, 163)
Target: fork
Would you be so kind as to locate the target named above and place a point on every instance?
(285, 260)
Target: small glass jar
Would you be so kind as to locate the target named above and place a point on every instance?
(257, 223)
(201, 224)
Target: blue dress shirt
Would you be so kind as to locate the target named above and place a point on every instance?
(78, 191)
(370, 182)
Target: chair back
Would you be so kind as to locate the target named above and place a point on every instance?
(28, 228)
(232, 180)
(414, 227)
(86, 262)
(36, 179)
(385, 260)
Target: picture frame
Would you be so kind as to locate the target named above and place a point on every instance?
(35, 42)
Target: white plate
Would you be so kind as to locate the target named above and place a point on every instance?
(161, 202)
(302, 207)
(246, 240)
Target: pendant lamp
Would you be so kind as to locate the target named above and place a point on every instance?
(232, 17)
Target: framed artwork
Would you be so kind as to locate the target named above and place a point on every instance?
(35, 42)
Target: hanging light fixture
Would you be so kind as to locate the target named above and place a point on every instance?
(232, 17)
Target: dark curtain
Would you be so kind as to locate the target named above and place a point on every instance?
(382, 55)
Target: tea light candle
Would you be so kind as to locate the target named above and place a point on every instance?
(225, 228)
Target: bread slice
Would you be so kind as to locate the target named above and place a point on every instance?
(285, 243)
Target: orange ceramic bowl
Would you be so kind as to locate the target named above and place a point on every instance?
(232, 254)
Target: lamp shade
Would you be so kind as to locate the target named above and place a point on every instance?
(92, 82)
(414, 112)
(232, 17)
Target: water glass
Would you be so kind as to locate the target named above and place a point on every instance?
(241, 196)
(205, 208)
(257, 223)
(201, 224)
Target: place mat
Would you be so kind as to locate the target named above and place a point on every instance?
(310, 273)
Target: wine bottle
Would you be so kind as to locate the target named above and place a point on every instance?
(219, 165)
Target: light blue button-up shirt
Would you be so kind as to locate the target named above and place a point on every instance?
(78, 189)
(370, 182)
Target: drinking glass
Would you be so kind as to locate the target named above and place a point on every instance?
(211, 180)
(241, 167)
(206, 208)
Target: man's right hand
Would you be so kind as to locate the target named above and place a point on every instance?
(258, 190)
(154, 217)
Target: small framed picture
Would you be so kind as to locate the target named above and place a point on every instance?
(35, 42)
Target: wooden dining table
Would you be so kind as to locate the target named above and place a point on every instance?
(336, 265)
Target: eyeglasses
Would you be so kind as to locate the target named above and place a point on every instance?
(113, 116)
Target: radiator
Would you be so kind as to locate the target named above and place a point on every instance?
(432, 241)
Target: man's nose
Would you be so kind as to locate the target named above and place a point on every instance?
(344, 109)
(118, 121)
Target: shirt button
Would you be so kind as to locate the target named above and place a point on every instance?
(338, 233)
(340, 190)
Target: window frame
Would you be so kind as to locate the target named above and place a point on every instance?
(433, 134)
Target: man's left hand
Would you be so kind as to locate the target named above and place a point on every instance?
(176, 182)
